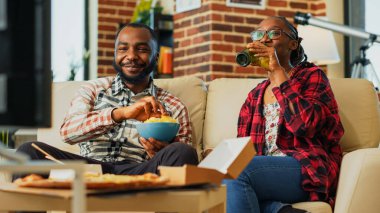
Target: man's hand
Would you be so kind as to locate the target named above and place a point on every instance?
(152, 146)
(141, 110)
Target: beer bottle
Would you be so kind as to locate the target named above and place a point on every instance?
(244, 58)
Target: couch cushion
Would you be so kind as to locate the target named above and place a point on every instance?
(314, 207)
(359, 111)
(190, 90)
(358, 187)
(224, 100)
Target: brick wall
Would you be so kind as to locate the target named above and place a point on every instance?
(207, 39)
(110, 14)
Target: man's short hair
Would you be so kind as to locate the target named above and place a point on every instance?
(140, 25)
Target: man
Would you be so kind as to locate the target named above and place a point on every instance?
(103, 114)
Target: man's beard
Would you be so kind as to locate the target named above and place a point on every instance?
(138, 78)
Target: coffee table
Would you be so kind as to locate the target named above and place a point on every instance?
(169, 200)
(194, 200)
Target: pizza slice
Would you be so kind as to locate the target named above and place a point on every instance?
(97, 181)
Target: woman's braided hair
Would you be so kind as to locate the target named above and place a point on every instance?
(298, 55)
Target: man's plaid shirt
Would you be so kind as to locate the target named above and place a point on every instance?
(311, 135)
(89, 122)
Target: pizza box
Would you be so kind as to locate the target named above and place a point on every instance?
(227, 160)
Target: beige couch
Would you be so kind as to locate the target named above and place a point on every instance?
(214, 115)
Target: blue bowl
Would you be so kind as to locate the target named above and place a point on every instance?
(162, 131)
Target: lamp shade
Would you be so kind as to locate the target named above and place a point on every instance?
(319, 45)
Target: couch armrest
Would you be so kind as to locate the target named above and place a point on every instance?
(359, 182)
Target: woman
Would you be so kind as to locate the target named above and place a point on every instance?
(292, 118)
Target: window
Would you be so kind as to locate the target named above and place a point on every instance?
(69, 40)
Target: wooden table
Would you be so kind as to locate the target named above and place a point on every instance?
(169, 200)
(13, 198)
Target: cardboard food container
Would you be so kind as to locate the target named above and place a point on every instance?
(227, 160)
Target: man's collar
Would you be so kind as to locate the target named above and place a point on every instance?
(118, 86)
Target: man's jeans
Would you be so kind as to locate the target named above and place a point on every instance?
(266, 185)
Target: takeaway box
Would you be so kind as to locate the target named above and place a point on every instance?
(227, 160)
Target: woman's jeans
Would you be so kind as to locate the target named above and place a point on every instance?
(266, 185)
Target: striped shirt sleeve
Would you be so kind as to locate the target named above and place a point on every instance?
(82, 123)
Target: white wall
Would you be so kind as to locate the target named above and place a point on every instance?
(168, 6)
(372, 26)
(335, 13)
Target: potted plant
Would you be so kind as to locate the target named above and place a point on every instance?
(142, 12)
(4, 137)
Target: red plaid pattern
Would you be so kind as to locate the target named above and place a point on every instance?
(311, 135)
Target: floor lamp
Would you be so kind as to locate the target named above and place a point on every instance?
(319, 45)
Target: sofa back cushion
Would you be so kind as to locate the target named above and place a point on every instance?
(357, 101)
(193, 93)
(359, 111)
(190, 90)
(224, 100)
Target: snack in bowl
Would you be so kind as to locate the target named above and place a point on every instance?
(162, 129)
(164, 118)
(96, 181)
